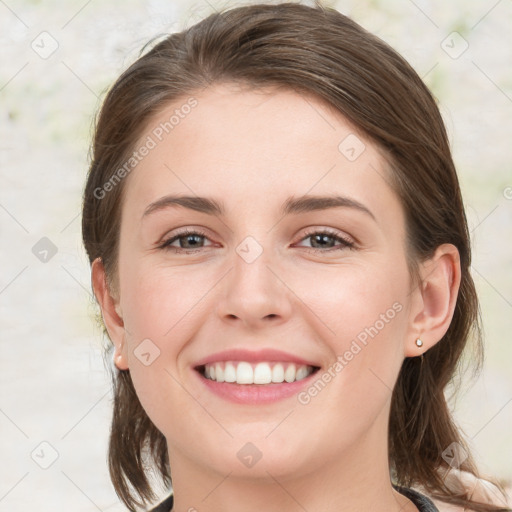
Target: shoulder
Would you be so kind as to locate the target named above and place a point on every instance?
(479, 489)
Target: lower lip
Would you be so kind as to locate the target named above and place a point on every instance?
(255, 393)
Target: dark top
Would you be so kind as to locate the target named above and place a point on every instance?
(423, 504)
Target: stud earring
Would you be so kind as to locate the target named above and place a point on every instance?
(419, 343)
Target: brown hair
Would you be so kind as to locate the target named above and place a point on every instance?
(313, 50)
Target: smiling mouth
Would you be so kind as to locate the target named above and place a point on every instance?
(243, 372)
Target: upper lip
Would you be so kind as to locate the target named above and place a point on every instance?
(238, 354)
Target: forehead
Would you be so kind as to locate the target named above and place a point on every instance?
(253, 148)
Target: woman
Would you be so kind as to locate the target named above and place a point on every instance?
(281, 256)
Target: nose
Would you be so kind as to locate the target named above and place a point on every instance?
(254, 293)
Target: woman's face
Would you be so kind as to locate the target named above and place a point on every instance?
(272, 278)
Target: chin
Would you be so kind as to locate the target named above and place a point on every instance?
(260, 458)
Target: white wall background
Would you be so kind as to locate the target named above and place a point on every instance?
(54, 387)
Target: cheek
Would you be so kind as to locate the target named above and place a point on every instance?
(161, 307)
(159, 302)
(350, 300)
(165, 400)
(361, 315)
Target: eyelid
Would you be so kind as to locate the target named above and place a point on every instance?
(166, 240)
(344, 242)
(328, 231)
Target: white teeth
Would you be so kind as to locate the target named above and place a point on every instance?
(278, 373)
(262, 374)
(219, 373)
(302, 373)
(243, 372)
(229, 372)
(289, 374)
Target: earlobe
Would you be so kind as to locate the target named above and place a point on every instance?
(111, 313)
(437, 297)
(120, 358)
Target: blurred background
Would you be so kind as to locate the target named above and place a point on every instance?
(57, 61)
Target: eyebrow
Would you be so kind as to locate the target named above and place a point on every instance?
(292, 205)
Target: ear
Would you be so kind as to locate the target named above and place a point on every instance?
(111, 313)
(434, 299)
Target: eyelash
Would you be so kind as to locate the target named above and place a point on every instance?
(345, 244)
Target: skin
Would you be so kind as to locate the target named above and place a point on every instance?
(252, 150)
